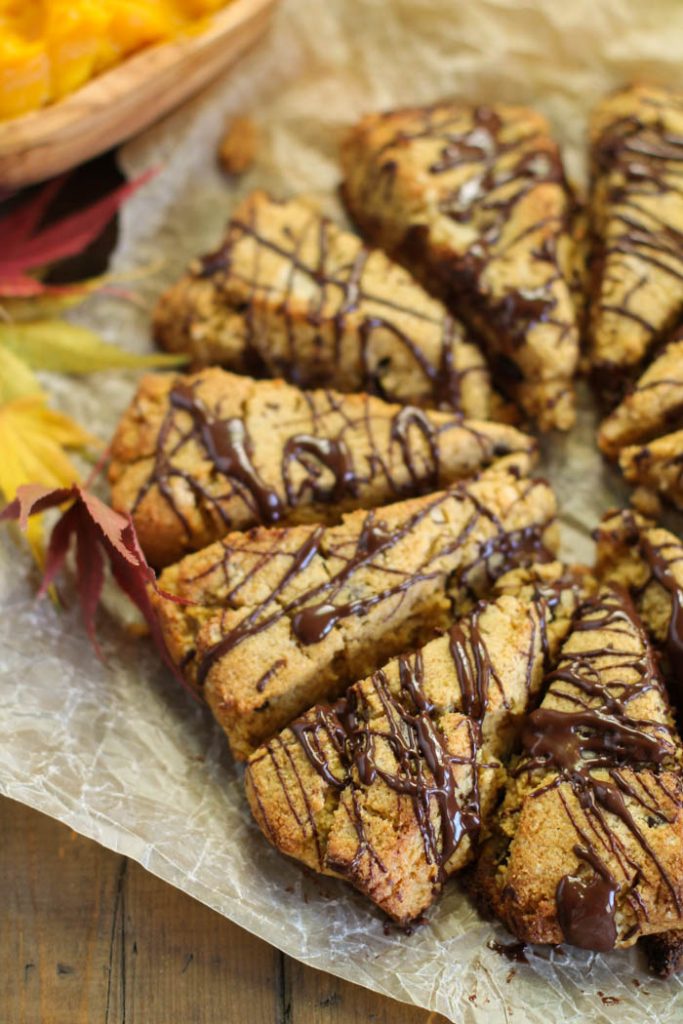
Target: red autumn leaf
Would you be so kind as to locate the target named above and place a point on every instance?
(98, 530)
(27, 247)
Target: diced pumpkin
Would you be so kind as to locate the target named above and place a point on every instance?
(49, 48)
(24, 75)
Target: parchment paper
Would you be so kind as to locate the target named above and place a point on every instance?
(117, 750)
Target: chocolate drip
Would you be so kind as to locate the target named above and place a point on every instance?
(229, 448)
(349, 322)
(504, 171)
(408, 464)
(251, 624)
(314, 622)
(647, 158)
(410, 417)
(573, 744)
(514, 951)
(416, 743)
(343, 742)
(314, 612)
(332, 454)
(586, 908)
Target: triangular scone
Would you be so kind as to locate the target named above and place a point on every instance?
(647, 560)
(474, 200)
(656, 466)
(280, 619)
(637, 220)
(195, 457)
(289, 294)
(588, 844)
(653, 407)
(391, 787)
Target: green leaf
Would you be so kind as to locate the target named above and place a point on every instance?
(16, 378)
(62, 347)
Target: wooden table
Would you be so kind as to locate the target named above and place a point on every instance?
(89, 937)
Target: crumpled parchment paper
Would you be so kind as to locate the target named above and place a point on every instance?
(117, 750)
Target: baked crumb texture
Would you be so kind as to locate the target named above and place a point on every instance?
(588, 844)
(647, 560)
(475, 201)
(280, 619)
(196, 457)
(391, 786)
(636, 138)
(289, 294)
(238, 147)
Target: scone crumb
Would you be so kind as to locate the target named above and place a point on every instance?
(237, 149)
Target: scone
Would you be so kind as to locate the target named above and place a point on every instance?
(656, 466)
(588, 844)
(473, 199)
(196, 457)
(278, 619)
(391, 786)
(289, 294)
(636, 137)
(653, 407)
(648, 561)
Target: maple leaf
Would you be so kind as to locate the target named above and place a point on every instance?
(33, 439)
(98, 532)
(28, 247)
(63, 347)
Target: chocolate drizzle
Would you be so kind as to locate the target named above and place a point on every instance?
(388, 729)
(230, 450)
(587, 745)
(499, 164)
(314, 612)
(639, 161)
(424, 766)
(317, 465)
(586, 908)
(338, 303)
(330, 453)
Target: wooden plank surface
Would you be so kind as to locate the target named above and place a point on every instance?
(89, 937)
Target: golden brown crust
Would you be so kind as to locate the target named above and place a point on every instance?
(282, 618)
(588, 845)
(647, 560)
(637, 222)
(289, 294)
(657, 465)
(390, 787)
(653, 407)
(196, 457)
(474, 201)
